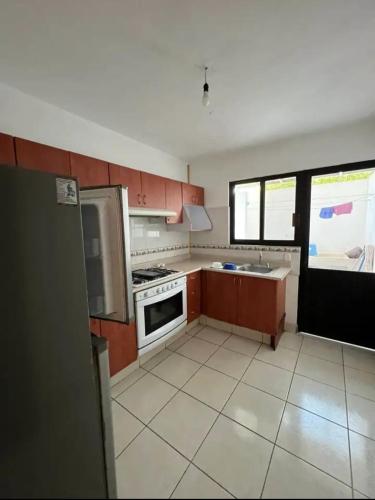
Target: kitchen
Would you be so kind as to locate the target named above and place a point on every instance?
(214, 285)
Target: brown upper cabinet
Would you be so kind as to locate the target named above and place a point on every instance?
(90, 171)
(153, 190)
(37, 156)
(192, 195)
(173, 200)
(130, 178)
(144, 189)
(7, 154)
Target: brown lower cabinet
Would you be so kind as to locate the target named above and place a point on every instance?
(193, 284)
(122, 344)
(251, 302)
(95, 326)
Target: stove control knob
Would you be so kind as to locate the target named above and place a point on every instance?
(163, 289)
(158, 290)
(145, 294)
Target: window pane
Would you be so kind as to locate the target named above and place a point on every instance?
(342, 221)
(247, 212)
(280, 203)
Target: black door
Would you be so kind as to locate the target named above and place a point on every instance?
(337, 282)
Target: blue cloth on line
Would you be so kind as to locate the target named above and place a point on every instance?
(326, 213)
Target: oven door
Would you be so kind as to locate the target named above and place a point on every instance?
(158, 315)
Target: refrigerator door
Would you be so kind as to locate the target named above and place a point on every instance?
(106, 234)
(51, 434)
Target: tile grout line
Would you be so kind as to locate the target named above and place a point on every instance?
(208, 432)
(278, 429)
(246, 383)
(126, 388)
(348, 432)
(238, 423)
(225, 416)
(220, 413)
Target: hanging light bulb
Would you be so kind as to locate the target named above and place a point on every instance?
(206, 96)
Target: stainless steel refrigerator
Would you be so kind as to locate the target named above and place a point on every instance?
(56, 436)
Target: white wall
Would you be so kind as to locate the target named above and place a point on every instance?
(30, 118)
(350, 143)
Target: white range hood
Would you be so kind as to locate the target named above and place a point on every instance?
(195, 219)
(151, 212)
(194, 216)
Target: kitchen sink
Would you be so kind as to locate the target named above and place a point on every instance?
(256, 268)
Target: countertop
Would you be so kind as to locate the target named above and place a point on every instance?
(187, 266)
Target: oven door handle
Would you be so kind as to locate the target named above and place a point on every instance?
(158, 298)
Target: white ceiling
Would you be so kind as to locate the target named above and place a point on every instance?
(277, 67)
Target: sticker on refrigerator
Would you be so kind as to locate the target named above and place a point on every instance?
(66, 190)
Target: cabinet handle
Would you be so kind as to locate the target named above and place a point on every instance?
(139, 199)
(144, 199)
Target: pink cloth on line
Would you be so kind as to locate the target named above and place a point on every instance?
(344, 208)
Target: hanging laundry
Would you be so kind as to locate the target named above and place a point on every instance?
(344, 208)
(326, 213)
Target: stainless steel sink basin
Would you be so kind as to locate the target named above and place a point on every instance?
(256, 268)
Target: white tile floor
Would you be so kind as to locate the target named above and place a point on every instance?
(221, 416)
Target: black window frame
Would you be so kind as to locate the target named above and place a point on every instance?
(297, 217)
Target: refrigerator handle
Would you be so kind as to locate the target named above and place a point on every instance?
(101, 364)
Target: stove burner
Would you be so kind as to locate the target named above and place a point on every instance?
(141, 276)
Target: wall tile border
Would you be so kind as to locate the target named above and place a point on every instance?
(169, 248)
(248, 247)
(148, 251)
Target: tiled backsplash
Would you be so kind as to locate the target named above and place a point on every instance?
(150, 235)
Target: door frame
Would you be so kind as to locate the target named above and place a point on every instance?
(304, 196)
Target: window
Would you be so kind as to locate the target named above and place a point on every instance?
(247, 211)
(342, 221)
(263, 210)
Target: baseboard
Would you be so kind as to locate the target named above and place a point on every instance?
(193, 324)
(291, 327)
(115, 379)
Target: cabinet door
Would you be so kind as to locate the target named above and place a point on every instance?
(37, 156)
(130, 178)
(192, 195)
(220, 296)
(90, 171)
(193, 296)
(95, 326)
(153, 190)
(7, 155)
(173, 200)
(199, 195)
(122, 344)
(257, 304)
